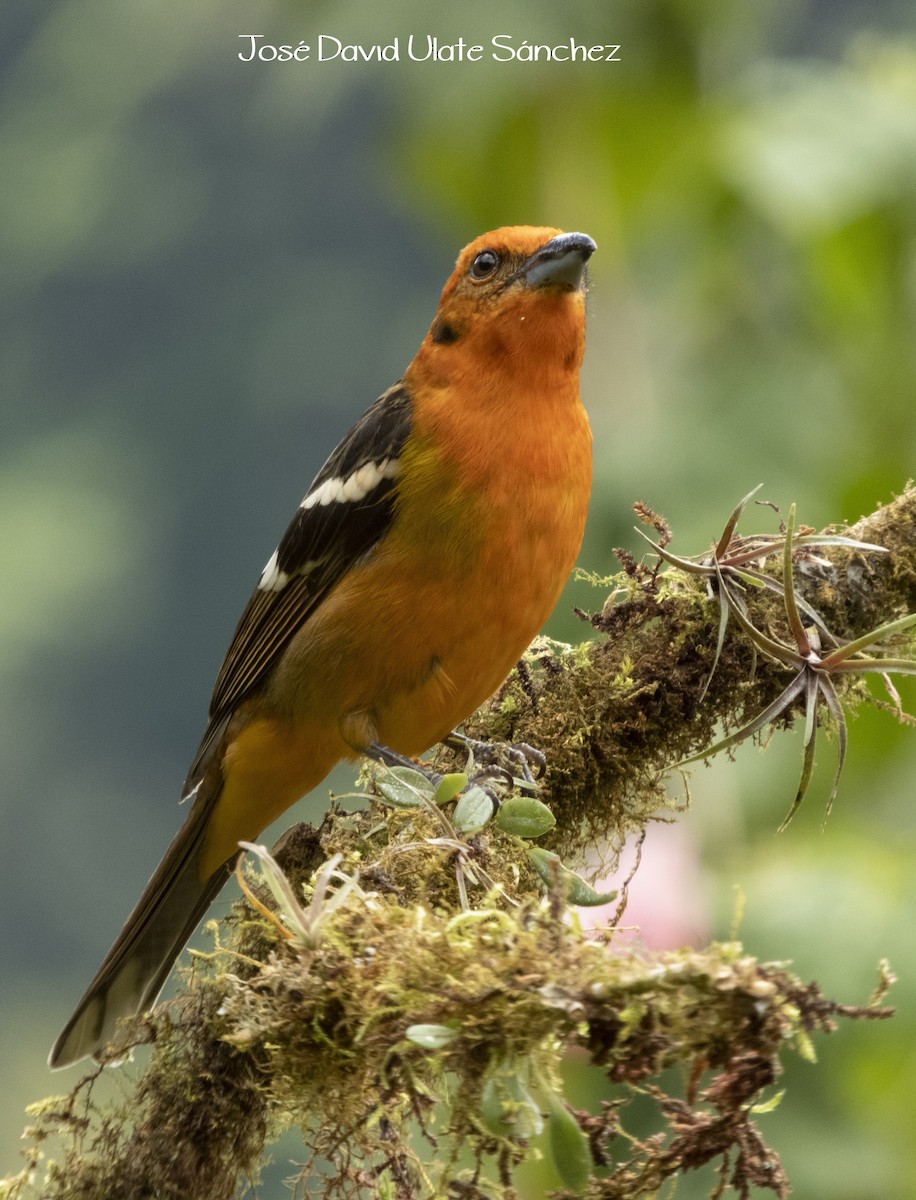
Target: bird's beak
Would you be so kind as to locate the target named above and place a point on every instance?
(561, 263)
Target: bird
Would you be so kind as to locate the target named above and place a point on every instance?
(426, 555)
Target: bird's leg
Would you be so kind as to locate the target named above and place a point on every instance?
(491, 770)
(520, 755)
(379, 753)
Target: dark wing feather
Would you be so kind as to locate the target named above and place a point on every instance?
(320, 545)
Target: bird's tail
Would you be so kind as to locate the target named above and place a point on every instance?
(138, 964)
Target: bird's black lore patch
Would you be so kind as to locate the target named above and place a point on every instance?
(443, 334)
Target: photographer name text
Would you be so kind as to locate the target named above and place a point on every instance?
(424, 48)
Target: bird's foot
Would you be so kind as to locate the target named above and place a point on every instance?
(520, 757)
(485, 770)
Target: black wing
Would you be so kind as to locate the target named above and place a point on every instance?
(345, 513)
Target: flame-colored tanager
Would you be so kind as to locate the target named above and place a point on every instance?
(428, 552)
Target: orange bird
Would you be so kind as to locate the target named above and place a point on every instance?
(428, 552)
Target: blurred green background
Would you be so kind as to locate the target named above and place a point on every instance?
(210, 268)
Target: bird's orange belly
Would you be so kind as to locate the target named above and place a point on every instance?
(402, 651)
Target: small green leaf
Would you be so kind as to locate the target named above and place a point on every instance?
(568, 1146)
(473, 811)
(805, 1046)
(767, 1106)
(772, 710)
(836, 711)
(449, 786)
(582, 895)
(526, 1118)
(508, 1109)
(430, 1037)
(732, 523)
(403, 787)
(541, 860)
(525, 817)
(720, 642)
(674, 560)
(385, 1185)
(788, 583)
(578, 892)
(811, 681)
(492, 1109)
(868, 639)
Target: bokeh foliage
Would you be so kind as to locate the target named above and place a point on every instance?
(211, 267)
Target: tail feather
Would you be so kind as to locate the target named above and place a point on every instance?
(139, 962)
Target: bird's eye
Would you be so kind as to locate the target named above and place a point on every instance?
(484, 264)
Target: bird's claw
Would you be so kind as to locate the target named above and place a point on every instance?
(520, 755)
(493, 771)
(524, 755)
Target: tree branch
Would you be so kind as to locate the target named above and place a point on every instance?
(401, 997)
(615, 715)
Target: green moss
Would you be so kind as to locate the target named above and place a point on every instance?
(320, 1038)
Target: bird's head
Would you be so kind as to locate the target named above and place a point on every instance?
(519, 290)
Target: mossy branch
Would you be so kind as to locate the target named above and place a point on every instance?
(416, 1039)
(615, 715)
